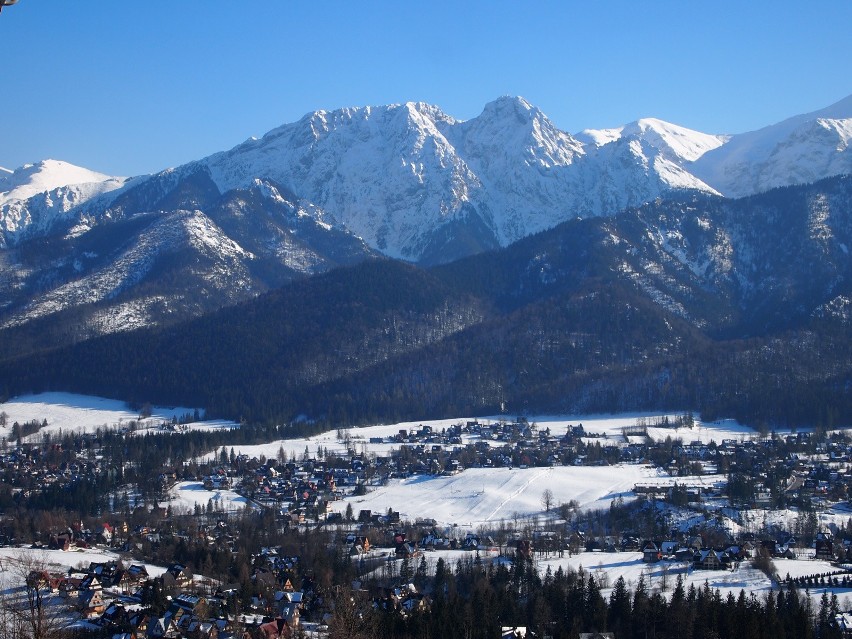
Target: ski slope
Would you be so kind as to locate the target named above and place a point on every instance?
(481, 496)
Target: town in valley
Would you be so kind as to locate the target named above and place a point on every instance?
(262, 538)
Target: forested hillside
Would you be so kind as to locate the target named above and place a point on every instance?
(734, 308)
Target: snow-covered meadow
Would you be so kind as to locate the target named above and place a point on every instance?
(186, 495)
(607, 428)
(83, 413)
(480, 496)
(61, 561)
(608, 567)
(70, 412)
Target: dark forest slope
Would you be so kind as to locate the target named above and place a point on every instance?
(735, 308)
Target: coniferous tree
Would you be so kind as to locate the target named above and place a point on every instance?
(619, 607)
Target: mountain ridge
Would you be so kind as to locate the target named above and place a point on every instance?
(736, 167)
(407, 181)
(332, 158)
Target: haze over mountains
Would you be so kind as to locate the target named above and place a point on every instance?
(661, 238)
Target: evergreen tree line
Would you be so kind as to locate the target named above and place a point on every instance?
(475, 601)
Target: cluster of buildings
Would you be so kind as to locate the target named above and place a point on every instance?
(130, 603)
(28, 469)
(803, 470)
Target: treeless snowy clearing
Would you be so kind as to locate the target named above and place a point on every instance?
(480, 496)
(69, 412)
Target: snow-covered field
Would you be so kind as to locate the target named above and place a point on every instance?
(480, 496)
(661, 577)
(185, 495)
(608, 567)
(69, 412)
(61, 561)
(83, 413)
(609, 427)
(838, 515)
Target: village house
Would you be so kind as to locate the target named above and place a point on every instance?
(824, 546)
(91, 603)
(709, 559)
(651, 552)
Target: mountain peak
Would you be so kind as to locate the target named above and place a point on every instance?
(406, 178)
(674, 142)
(781, 154)
(46, 175)
(423, 108)
(423, 113)
(507, 106)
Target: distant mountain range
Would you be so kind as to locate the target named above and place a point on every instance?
(406, 181)
(709, 239)
(398, 176)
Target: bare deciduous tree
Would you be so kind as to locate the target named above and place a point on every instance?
(28, 609)
(351, 616)
(664, 576)
(547, 499)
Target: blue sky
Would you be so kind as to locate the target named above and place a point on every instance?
(129, 87)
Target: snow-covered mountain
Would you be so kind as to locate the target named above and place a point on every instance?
(407, 181)
(673, 142)
(47, 175)
(171, 263)
(35, 197)
(798, 150)
(417, 184)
